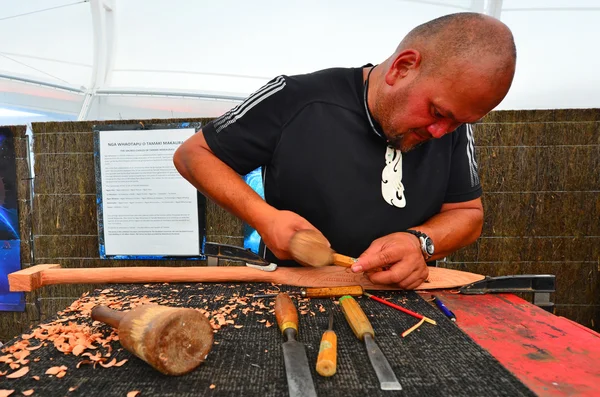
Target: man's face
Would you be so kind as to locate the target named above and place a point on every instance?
(418, 108)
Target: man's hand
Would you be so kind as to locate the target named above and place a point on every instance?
(279, 229)
(394, 259)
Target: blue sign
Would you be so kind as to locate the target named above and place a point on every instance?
(10, 241)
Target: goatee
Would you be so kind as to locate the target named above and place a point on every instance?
(399, 142)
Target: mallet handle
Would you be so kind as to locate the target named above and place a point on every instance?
(107, 315)
(343, 260)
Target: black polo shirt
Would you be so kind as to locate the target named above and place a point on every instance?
(322, 160)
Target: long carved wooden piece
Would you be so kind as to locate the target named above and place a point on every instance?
(329, 276)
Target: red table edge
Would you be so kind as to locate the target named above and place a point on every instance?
(508, 327)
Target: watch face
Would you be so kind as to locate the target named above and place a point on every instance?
(430, 249)
(429, 246)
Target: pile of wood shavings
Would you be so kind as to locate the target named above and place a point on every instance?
(224, 315)
(72, 334)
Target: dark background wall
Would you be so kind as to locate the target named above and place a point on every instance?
(540, 171)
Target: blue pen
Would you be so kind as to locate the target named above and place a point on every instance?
(444, 309)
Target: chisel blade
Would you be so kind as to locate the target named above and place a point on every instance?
(300, 382)
(385, 374)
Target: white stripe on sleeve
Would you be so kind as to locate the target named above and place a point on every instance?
(240, 110)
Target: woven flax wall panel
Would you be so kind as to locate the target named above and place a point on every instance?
(540, 172)
(12, 323)
(65, 220)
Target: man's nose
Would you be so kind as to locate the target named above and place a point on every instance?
(439, 128)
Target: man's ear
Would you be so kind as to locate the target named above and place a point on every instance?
(405, 62)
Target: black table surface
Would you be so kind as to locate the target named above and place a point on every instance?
(247, 358)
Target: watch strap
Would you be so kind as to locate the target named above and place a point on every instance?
(422, 239)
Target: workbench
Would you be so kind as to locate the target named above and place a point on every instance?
(552, 355)
(536, 352)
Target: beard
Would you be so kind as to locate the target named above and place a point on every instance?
(404, 141)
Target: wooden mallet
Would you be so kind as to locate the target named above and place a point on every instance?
(310, 248)
(172, 340)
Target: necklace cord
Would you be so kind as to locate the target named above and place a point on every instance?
(366, 90)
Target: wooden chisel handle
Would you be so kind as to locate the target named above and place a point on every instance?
(286, 313)
(356, 317)
(327, 359)
(343, 260)
(329, 292)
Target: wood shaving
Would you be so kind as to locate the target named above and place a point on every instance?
(35, 377)
(21, 354)
(6, 393)
(212, 386)
(77, 350)
(6, 359)
(19, 373)
(120, 363)
(411, 329)
(72, 388)
(133, 393)
(27, 392)
(84, 362)
(55, 370)
(109, 364)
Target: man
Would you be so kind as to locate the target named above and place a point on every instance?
(368, 155)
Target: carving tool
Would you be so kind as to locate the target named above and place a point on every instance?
(327, 359)
(172, 340)
(311, 248)
(326, 292)
(364, 331)
(215, 252)
(402, 309)
(300, 382)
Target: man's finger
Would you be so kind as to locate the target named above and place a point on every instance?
(415, 279)
(374, 260)
(412, 281)
(395, 275)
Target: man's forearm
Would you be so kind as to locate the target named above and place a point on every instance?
(197, 164)
(453, 229)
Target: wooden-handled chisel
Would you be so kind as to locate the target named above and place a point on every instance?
(325, 292)
(364, 331)
(327, 359)
(300, 382)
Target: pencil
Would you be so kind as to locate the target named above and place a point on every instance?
(390, 304)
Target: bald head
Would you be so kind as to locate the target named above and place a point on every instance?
(463, 37)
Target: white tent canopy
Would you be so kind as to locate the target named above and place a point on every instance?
(123, 59)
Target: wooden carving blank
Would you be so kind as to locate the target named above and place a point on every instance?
(329, 276)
